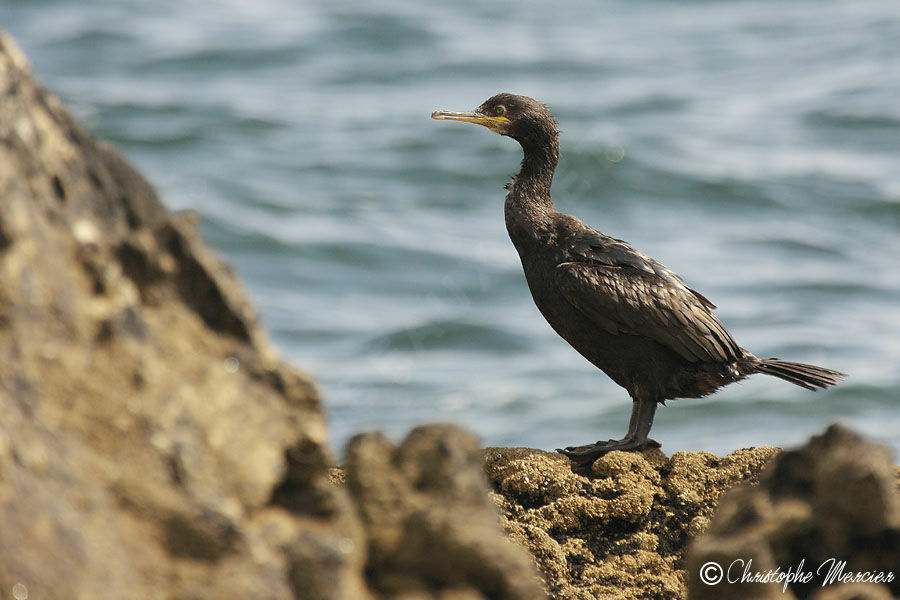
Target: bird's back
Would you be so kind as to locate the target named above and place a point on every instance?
(625, 312)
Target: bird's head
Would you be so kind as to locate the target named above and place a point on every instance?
(518, 117)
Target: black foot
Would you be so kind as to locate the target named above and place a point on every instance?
(585, 455)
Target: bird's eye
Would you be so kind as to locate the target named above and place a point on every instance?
(500, 110)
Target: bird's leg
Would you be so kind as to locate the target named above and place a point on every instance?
(642, 411)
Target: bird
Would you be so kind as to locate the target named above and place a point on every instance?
(623, 311)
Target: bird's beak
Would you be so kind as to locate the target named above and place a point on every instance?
(469, 117)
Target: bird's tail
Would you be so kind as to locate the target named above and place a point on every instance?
(806, 376)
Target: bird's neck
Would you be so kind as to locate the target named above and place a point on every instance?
(529, 210)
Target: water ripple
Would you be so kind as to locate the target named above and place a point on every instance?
(752, 150)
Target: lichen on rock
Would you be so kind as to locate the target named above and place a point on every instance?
(618, 529)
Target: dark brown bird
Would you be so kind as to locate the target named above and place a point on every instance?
(626, 313)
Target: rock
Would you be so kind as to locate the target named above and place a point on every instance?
(148, 427)
(617, 530)
(429, 521)
(153, 445)
(833, 500)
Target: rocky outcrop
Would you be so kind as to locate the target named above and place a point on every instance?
(829, 512)
(146, 421)
(153, 445)
(428, 518)
(619, 529)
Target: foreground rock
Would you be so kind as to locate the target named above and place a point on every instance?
(428, 518)
(834, 500)
(152, 444)
(146, 421)
(619, 530)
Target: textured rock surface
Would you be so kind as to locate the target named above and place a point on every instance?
(835, 498)
(429, 520)
(146, 422)
(618, 530)
(152, 445)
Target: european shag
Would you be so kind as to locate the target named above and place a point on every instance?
(626, 313)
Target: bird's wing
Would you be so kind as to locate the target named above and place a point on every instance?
(627, 292)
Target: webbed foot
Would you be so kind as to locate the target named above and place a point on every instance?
(585, 455)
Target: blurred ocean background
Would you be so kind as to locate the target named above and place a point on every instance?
(751, 146)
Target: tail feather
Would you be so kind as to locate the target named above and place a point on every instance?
(806, 376)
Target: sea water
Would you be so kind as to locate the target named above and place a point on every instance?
(751, 146)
